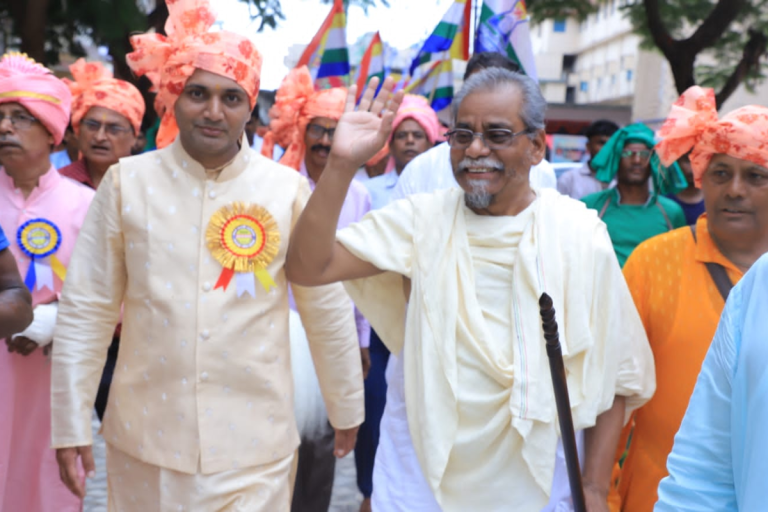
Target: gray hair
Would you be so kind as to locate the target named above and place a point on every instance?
(491, 79)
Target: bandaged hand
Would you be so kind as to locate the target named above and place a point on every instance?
(38, 334)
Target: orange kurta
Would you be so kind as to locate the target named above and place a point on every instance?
(680, 307)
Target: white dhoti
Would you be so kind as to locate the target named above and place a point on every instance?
(135, 486)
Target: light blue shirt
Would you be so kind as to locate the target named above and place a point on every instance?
(60, 159)
(720, 458)
(381, 188)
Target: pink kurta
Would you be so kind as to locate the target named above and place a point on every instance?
(29, 475)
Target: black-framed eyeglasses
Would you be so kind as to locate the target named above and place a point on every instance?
(317, 132)
(19, 120)
(644, 154)
(495, 138)
(112, 129)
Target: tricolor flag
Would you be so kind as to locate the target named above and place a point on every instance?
(450, 39)
(436, 84)
(372, 65)
(326, 56)
(505, 28)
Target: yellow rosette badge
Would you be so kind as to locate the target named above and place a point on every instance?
(244, 239)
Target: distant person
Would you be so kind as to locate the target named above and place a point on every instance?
(581, 182)
(632, 212)
(67, 151)
(691, 199)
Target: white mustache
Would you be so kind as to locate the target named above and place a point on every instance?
(483, 163)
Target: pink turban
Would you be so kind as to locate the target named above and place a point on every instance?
(94, 86)
(296, 104)
(170, 61)
(24, 81)
(417, 108)
(693, 126)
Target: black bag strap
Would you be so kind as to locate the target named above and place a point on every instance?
(717, 272)
(670, 227)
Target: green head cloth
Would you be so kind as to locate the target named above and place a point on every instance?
(666, 180)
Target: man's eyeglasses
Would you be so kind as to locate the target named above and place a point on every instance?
(19, 121)
(317, 132)
(496, 138)
(644, 154)
(112, 129)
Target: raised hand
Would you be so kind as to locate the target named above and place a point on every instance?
(362, 132)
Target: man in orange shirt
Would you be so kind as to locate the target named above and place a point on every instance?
(679, 280)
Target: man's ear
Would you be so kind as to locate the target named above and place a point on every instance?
(539, 147)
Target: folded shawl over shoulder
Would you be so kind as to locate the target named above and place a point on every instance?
(566, 252)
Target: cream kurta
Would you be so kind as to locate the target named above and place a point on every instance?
(203, 378)
(563, 250)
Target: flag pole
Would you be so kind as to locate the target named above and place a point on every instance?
(476, 22)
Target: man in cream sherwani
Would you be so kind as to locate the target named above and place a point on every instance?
(191, 239)
(453, 279)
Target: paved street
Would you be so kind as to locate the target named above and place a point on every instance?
(346, 498)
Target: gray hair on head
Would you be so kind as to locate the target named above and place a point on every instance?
(534, 105)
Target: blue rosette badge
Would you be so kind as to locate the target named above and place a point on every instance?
(40, 239)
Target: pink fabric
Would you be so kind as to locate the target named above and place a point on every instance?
(29, 474)
(417, 108)
(94, 86)
(296, 104)
(169, 61)
(34, 87)
(693, 126)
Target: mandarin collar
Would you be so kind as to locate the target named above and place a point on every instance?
(230, 171)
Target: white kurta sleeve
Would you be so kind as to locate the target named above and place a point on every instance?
(328, 319)
(89, 310)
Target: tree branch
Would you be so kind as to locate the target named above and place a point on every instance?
(661, 36)
(755, 48)
(712, 28)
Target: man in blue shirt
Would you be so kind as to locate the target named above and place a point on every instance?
(15, 300)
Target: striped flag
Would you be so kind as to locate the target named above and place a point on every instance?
(505, 28)
(327, 56)
(372, 65)
(436, 84)
(450, 39)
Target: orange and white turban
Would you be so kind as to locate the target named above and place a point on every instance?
(34, 87)
(296, 104)
(94, 86)
(693, 125)
(170, 61)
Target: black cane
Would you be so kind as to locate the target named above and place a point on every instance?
(560, 385)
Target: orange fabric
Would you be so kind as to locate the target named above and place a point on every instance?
(680, 307)
(94, 86)
(170, 61)
(296, 104)
(693, 126)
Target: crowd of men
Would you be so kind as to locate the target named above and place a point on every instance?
(252, 300)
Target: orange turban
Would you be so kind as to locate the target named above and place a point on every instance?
(170, 61)
(296, 104)
(94, 86)
(24, 81)
(693, 126)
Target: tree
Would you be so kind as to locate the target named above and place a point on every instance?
(731, 35)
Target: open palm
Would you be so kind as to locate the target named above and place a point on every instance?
(363, 131)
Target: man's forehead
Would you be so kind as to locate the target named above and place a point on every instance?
(209, 80)
(636, 144)
(327, 122)
(104, 114)
(13, 107)
(413, 126)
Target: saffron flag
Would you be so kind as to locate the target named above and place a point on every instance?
(505, 28)
(450, 39)
(327, 56)
(436, 84)
(372, 65)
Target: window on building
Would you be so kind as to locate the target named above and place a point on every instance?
(629, 75)
(584, 86)
(569, 63)
(559, 25)
(570, 94)
(613, 79)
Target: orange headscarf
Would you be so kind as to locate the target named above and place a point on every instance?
(296, 104)
(94, 86)
(693, 126)
(34, 87)
(170, 61)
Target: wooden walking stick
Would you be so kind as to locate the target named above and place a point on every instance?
(560, 385)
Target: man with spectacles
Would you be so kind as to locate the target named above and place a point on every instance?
(632, 210)
(581, 182)
(304, 122)
(42, 212)
(453, 280)
(106, 118)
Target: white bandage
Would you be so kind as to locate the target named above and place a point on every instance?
(41, 329)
